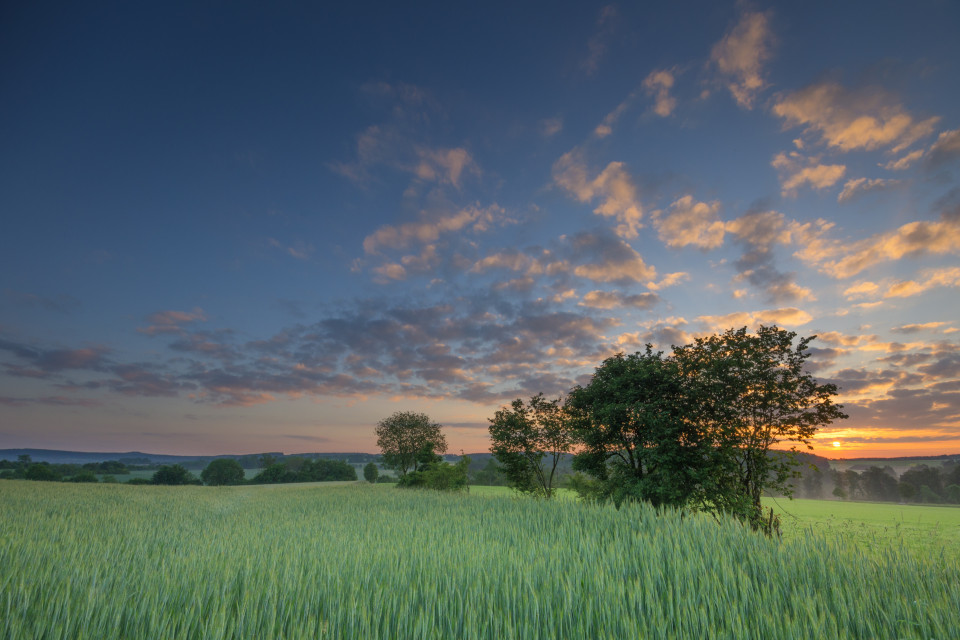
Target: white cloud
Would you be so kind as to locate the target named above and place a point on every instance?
(740, 55)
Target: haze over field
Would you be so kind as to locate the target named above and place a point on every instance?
(259, 229)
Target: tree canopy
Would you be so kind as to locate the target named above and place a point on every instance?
(222, 471)
(408, 439)
(629, 422)
(711, 426)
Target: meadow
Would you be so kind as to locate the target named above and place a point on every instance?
(362, 561)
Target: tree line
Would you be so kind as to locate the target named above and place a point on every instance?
(219, 472)
(712, 426)
(922, 484)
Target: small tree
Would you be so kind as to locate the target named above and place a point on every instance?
(371, 472)
(405, 436)
(222, 471)
(523, 436)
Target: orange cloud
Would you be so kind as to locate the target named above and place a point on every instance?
(932, 278)
(787, 317)
(612, 186)
(658, 84)
(740, 54)
(851, 120)
(691, 223)
(401, 236)
(796, 171)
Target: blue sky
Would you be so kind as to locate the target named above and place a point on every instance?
(235, 228)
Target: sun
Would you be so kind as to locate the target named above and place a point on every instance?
(836, 444)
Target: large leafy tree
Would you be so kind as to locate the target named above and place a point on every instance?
(408, 439)
(745, 394)
(529, 441)
(222, 471)
(633, 439)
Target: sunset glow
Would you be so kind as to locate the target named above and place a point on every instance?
(235, 230)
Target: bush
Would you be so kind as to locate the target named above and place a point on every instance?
(439, 476)
(138, 481)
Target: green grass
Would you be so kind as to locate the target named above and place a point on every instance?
(362, 561)
(925, 530)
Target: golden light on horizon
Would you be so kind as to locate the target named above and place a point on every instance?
(836, 444)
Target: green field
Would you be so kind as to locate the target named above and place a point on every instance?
(362, 561)
(925, 530)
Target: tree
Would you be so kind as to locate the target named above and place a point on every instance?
(222, 471)
(634, 440)
(747, 394)
(405, 436)
(877, 484)
(41, 471)
(84, 476)
(523, 436)
(173, 475)
(371, 472)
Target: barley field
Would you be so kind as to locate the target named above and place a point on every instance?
(362, 561)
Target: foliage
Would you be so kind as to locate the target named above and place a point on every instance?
(173, 474)
(878, 484)
(522, 437)
(634, 440)
(41, 471)
(222, 471)
(490, 475)
(743, 395)
(113, 467)
(437, 475)
(108, 562)
(303, 470)
(405, 436)
(371, 472)
(84, 476)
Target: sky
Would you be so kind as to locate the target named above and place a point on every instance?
(234, 227)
